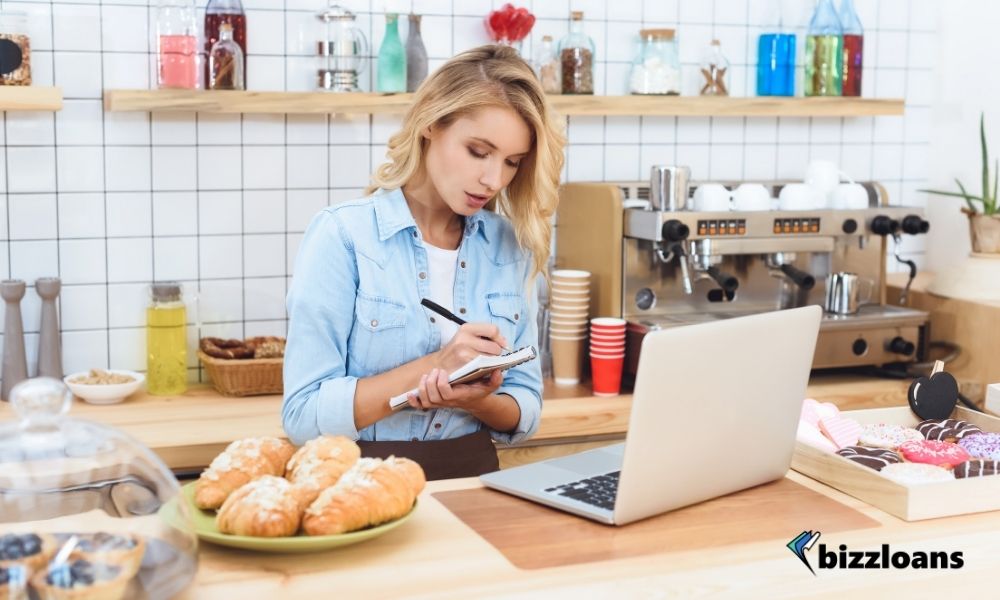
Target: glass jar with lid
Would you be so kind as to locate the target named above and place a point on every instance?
(85, 510)
(656, 68)
(576, 58)
(15, 49)
(342, 49)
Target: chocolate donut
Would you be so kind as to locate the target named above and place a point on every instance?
(873, 458)
(982, 445)
(934, 452)
(946, 430)
(977, 467)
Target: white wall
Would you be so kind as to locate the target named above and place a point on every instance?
(111, 201)
(966, 81)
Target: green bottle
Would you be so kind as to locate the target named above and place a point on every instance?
(824, 52)
(391, 58)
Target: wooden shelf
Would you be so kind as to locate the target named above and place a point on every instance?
(29, 97)
(371, 103)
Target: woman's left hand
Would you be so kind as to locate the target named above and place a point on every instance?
(434, 391)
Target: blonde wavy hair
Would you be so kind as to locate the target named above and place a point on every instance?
(488, 76)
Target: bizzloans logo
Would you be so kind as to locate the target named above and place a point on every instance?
(884, 558)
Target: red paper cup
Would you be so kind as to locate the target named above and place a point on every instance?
(607, 349)
(607, 374)
(608, 339)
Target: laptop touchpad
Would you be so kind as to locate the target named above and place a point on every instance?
(591, 463)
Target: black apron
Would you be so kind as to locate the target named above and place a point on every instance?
(467, 456)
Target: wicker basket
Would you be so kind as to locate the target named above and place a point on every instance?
(247, 377)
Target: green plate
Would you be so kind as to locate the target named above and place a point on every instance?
(204, 528)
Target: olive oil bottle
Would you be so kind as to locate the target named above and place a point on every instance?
(166, 340)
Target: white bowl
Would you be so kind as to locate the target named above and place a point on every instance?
(105, 393)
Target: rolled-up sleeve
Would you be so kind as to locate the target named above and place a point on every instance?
(523, 383)
(319, 395)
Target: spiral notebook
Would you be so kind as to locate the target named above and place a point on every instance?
(476, 368)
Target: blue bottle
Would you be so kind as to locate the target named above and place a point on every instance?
(776, 57)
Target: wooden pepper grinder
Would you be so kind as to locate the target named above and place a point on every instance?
(15, 365)
(49, 347)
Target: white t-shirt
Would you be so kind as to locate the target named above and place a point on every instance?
(441, 270)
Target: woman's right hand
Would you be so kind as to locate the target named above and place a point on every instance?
(471, 340)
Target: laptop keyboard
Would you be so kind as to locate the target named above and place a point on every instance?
(597, 491)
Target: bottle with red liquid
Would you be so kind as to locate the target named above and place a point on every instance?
(177, 57)
(226, 11)
(854, 41)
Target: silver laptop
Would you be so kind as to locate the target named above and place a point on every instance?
(714, 410)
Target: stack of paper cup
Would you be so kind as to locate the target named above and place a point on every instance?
(607, 355)
(569, 310)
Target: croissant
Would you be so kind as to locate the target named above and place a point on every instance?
(372, 492)
(319, 464)
(241, 462)
(265, 507)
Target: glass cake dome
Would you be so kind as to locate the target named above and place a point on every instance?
(85, 510)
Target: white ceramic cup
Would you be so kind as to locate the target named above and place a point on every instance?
(751, 196)
(850, 196)
(798, 196)
(823, 175)
(711, 197)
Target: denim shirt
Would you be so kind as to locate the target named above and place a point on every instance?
(354, 311)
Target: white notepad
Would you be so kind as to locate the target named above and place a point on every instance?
(475, 369)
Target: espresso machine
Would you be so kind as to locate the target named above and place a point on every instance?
(658, 263)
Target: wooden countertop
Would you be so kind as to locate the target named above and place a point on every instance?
(436, 555)
(189, 430)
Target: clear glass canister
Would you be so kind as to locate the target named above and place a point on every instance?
(576, 58)
(342, 49)
(656, 68)
(85, 510)
(166, 340)
(15, 49)
(547, 66)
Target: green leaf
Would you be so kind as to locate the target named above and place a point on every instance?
(969, 198)
(986, 158)
(951, 194)
(996, 172)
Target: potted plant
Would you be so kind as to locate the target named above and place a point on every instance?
(983, 210)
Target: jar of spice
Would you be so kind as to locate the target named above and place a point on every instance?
(547, 66)
(15, 49)
(714, 66)
(576, 58)
(656, 68)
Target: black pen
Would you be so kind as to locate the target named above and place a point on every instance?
(444, 312)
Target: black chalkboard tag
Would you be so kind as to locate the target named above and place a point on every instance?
(934, 397)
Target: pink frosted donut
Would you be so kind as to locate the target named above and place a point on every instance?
(934, 452)
(982, 445)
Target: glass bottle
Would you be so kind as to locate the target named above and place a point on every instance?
(776, 56)
(177, 45)
(225, 11)
(547, 66)
(714, 71)
(225, 62)
(576, 58)
(391, 75)
(854, 42)
(656, 68)
(166, 340)
(824, 52)
(416, 56)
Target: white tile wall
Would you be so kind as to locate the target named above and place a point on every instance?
(112, 201)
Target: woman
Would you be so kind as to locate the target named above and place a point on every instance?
(478, 137)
